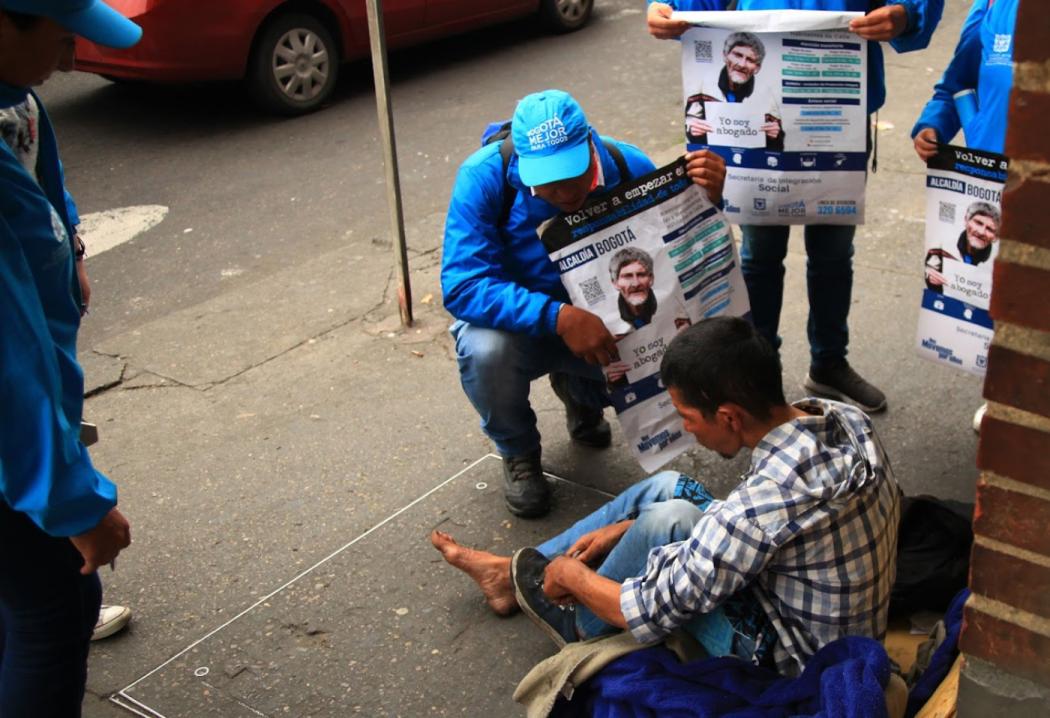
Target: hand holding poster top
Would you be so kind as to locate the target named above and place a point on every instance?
(964, 193)
(780, 95)
(649, 259)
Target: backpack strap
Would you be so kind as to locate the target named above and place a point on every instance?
(618, 158)
(506, 151)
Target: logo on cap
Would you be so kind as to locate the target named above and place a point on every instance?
(547, 134)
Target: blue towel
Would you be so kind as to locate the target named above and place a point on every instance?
(942, 659)
(845, 679)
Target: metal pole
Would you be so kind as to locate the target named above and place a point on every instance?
(377, 35)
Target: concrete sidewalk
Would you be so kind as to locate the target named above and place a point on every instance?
(284, 450)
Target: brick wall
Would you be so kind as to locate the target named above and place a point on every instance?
(1006, 631)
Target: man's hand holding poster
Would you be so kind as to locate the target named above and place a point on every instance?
(786, 109)
(963, 196)
(649, 258)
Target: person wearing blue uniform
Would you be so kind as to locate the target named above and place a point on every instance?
(973, 96)
(58, 517)
(513, 321)
(981, 74)
(908, 25)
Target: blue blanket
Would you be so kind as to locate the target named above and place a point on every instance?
(845, 679)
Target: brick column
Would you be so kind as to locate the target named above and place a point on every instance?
(1006, 630)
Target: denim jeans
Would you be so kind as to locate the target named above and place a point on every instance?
(665, 508)
(829, 281)
(47, 613)
(497, 368)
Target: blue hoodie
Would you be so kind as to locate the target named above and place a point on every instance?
(500, 277)
(45, 471)
(923, 16)
(983, 61)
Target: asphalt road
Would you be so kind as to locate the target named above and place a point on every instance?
(262, 193)
(267, 421)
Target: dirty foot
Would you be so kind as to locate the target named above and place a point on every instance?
(489, 571)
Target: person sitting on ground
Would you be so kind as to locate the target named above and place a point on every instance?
(801, 553)
(514, 322)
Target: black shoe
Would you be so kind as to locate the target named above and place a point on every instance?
(526, 573)
(840, 381)
(524, 486)
(586, 424)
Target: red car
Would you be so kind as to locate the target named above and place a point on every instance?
(289, 51)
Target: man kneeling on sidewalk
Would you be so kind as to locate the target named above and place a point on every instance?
(801, 553)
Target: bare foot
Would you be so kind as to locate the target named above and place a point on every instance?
(489, 571)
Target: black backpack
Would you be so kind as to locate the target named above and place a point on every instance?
(500, 132)
(933, 554)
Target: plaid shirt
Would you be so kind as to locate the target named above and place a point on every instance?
(811, 530)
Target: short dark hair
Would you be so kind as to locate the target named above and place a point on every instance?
(724, 360)
(21, 20)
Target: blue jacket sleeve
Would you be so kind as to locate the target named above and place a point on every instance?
(923, 17)
(45, 471)
(961, 74)
(71, 209)
(474, 284)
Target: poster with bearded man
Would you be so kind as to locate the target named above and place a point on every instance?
(780, 95)
(964, 189)
(649, 258)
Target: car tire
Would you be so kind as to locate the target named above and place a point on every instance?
(294, 65)
(566, 15)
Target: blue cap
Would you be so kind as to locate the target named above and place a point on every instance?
(550, 138)
(90, 19)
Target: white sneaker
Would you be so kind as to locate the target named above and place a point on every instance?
(978, 417)
(111, 619)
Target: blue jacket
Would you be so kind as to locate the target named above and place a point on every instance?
(501, 277)
(983, 61)
(45, 471)
(923, 16)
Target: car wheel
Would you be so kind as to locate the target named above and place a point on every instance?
(566, 15)
(294, 65)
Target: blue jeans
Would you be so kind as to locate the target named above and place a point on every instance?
(497, 368)
(829, 280)
(47, 613)
(665, 508)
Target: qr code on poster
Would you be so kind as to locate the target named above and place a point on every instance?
(592, 291)
(702, 50)
(947, 212)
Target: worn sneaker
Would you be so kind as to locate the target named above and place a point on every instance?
(586, 424)
(840, 381)
(525, 488)
(978, 417)
(526, 573)
(111, 619)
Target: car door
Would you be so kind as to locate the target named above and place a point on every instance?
(461, 14)
(402, 19)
